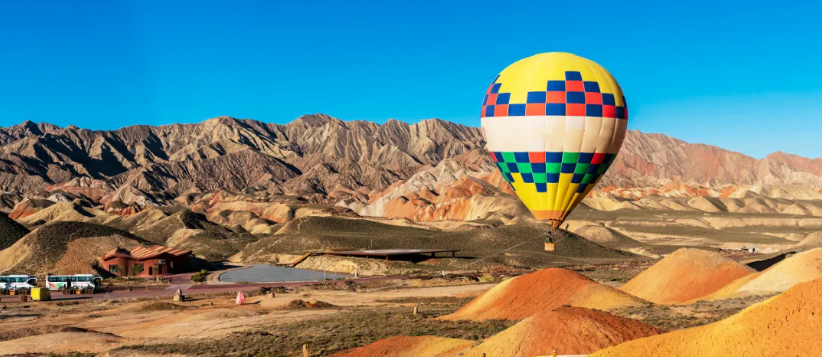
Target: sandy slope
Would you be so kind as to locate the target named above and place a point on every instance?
(799, 268)
(403, 346)
(785, 325)
(685, 275)
(545, 289)
(569, 330)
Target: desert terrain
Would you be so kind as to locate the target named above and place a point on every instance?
(678, 242)
(532, 314)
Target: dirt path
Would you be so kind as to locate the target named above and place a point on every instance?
(163, 290)
(344, 298)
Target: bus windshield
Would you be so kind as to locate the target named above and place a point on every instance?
(67, 278)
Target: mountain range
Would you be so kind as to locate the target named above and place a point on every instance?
(417, 171)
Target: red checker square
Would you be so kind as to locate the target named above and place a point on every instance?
(492, 99)
(593, 98)
(493, 157)
(626, 113)
(482, 112)
(501, 110)
(598, 157)
(574, 86)
(555, 97)
(609, 111)
(535, 109)
(575, 110)
(536, 157)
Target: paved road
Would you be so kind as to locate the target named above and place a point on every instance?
(274, 274)
(167, 290)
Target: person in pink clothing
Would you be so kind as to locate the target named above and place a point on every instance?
(240, 298)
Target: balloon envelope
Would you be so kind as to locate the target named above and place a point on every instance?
(553, 123)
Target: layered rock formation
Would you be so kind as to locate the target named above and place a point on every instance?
(431, 170)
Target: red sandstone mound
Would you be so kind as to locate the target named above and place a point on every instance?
(402, 346)
(546, 289)
(788, 324)
(28, 207)
(569, 330)
(685, 275)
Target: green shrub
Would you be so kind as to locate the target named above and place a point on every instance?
(199, 276)
(137, 269)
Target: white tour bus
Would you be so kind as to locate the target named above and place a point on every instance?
(76, 281)
(14, 282)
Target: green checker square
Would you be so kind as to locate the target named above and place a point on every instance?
(581, 168)
(503, 167)
(540, 178)
(601, 169)
(553, 168)
(509, 157)
(586, 179)
(524, 167)
(570, 157)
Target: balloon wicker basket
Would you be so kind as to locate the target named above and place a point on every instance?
(553, 237)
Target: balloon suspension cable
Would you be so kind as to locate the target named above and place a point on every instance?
(589, 213)
(500, 252)
(553, 231)
(551, 237)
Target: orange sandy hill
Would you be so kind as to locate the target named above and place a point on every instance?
(799, 268)
(403, 346)
(685, 275)
(785, 325)
(529, 294)
(569, 330)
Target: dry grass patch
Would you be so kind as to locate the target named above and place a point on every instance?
(338, 332)
(672, 317)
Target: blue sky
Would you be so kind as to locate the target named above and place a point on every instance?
(744, 76)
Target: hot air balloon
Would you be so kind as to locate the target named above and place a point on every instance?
(553, 124)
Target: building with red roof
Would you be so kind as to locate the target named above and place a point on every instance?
(145, 262)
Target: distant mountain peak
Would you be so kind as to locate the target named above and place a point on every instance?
(318, 119)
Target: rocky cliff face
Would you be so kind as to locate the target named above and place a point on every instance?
(430, 170)
(314, 154)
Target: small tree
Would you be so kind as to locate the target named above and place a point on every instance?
(137, 269)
